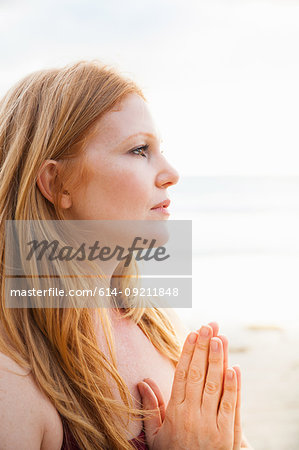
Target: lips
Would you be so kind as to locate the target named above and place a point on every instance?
(163, 204)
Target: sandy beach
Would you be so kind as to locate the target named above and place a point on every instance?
(269, 359)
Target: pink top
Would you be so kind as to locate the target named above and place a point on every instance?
(69, 442)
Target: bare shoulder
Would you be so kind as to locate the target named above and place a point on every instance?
(26, 414)
(180, 327)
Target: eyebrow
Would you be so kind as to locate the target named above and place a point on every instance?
(143, 134)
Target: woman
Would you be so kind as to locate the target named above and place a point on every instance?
(79, 143)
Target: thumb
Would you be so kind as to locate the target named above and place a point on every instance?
(149, 401)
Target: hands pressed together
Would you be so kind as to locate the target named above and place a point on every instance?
(204, 409)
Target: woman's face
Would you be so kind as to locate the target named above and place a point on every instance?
(124, 183)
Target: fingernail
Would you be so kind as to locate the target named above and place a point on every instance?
(204, 331)
(214, 346)
(229, 374)
(192, 338)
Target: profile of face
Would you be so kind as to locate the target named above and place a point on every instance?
(125, 179)
(127, 173)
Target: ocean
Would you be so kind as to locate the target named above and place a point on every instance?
(245, 241)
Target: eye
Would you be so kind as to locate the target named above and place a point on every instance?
(143, 148)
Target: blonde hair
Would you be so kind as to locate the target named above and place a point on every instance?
(49, 114)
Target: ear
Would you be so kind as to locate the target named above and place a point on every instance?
(46, 181)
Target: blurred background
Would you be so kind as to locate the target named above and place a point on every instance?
(222, 82)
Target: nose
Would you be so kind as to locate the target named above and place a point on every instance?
(167, 176)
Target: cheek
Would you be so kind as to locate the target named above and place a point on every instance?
(115, 187)
(130, 189)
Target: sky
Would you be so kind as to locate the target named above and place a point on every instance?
(221, 77)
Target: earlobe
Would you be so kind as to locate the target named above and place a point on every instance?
(66, 201)
(46, 178)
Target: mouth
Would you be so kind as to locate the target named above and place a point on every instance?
(163, 205)
(161, 208)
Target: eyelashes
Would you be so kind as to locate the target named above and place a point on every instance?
(143, 149)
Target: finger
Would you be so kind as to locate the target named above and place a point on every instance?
(225, 351)
(238, 425)
(149, 402)
(225, 354)
(198, 367)
(214, 380)
(215, 328)
(180, 375)
(158, 394)
(227, 408)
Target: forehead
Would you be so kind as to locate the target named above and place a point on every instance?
(129, 118)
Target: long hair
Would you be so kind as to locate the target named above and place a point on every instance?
(50, 114)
